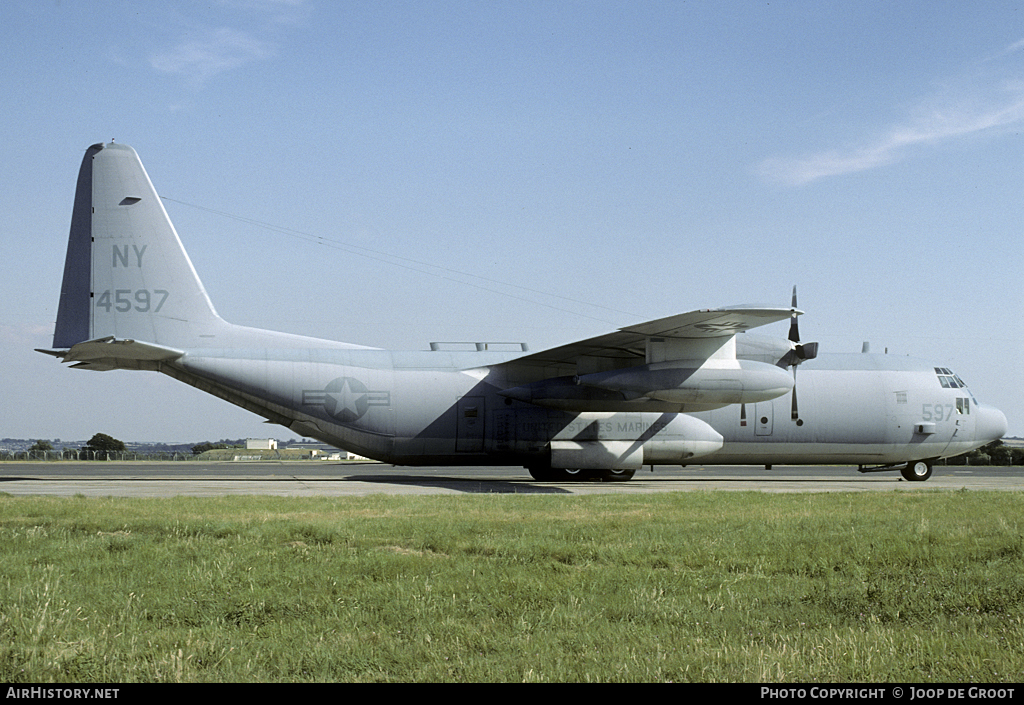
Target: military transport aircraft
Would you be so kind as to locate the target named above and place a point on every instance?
(691, 388)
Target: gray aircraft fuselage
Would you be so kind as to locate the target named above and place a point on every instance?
(437, 407)
(691, 388)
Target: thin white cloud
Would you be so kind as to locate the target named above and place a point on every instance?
(218, 51)
(984, 100)
(1016, 46)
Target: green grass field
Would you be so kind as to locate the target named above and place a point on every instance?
(717, 586)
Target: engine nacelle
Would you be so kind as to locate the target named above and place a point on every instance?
(681, 382)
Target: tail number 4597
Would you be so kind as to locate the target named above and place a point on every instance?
(124, 300)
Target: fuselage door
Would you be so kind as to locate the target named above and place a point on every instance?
(470, 425)
(963, 424)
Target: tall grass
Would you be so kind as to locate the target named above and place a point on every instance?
(923, 586)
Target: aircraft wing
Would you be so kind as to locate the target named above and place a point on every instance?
(111, 353)
(629, 345)
(685, 362)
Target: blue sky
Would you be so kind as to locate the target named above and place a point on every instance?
(392, 173)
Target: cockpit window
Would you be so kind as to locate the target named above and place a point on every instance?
(947, 379)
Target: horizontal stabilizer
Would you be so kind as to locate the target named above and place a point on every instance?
(110, 353)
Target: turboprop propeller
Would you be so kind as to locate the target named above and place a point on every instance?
(799, 353)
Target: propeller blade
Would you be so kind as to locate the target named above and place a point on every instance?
(794, 328)
(807, 351)
(795, 413)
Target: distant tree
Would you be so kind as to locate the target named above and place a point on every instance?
(203, 447)
(41, 445)
(103, 445)
(999, 453)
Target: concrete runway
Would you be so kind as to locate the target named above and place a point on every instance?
(311, 478)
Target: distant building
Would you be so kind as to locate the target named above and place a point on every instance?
(260, 444)
(323, 451)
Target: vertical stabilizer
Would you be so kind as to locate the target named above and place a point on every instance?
(126, 273)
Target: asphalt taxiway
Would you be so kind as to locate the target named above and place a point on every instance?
(312, 478)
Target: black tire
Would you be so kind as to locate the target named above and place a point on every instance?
(917, 471)
(617, 475)
(574, 474)
(541, 473)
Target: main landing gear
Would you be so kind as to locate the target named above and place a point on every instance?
(546, 474)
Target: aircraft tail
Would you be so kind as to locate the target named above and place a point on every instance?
(131, 298)
(126, 274)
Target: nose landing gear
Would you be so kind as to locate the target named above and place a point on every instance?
(917, 471)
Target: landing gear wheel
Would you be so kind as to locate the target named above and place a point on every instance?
(574, 474)
(541, 473)
(917, 471)
(617, 475)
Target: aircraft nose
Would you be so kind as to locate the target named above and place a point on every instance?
(990, 424)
